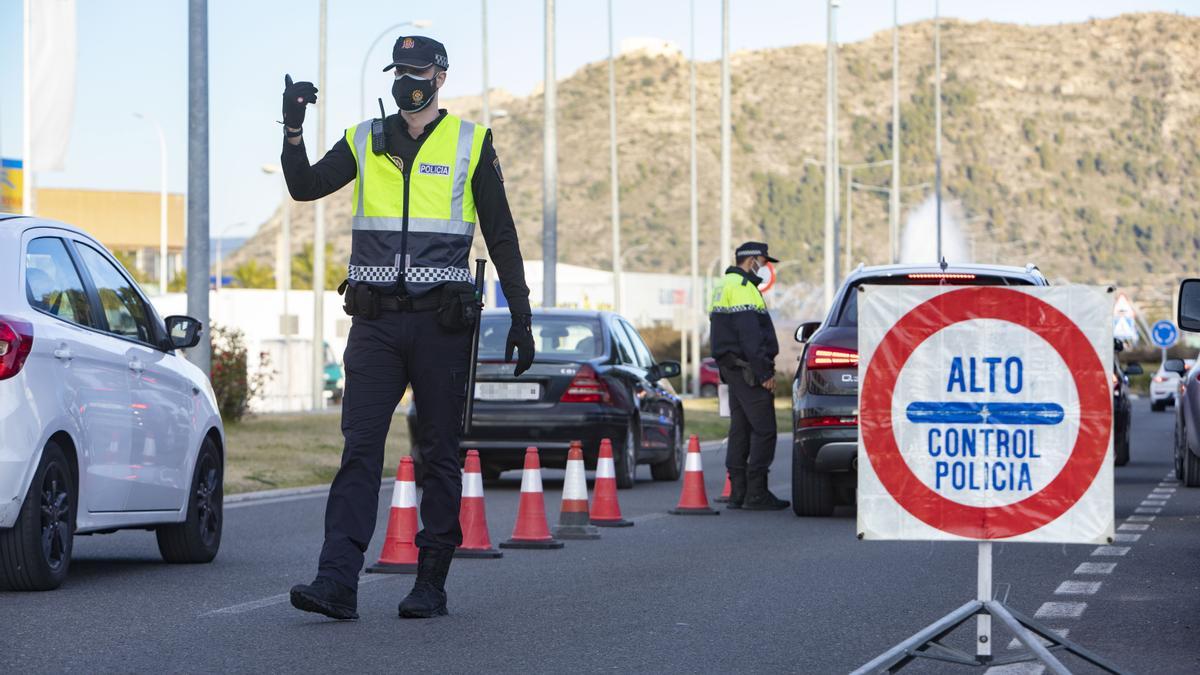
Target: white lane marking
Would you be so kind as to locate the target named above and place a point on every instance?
(1016, 644)
(1153, 503)
(1127, 538)
(1140, 519)
(1060, 610)
(1134, 527)
(1077, 588)
(1111, 550)
(285, 597)
(1095, 568)
(1147, 509)
(1024, 668)
(1163, 489)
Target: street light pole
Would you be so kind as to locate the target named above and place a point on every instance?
(318, 272)
(419, 23)
(549, 165)
(894, 198)
(837, 160)
(162, 201)
(697, 307)
(486, 111)
(614, 182)
(197, 180)
(726, 187)
(830, 156)
(937, 107)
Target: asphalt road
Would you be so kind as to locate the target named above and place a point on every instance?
(742, 592)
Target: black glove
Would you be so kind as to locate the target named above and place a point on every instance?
(296, 96)
(520, 337)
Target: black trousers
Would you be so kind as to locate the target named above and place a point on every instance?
(752, 433)
(383, 356)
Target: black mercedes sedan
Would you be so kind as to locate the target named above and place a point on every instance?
(593, 378)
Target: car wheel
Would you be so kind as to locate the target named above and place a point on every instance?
(1158, 406)
(197, 539)
(35, 553)
(812, 491)
(708, 390)
(1121, 450)
(672, 467)
(1191, 468)
(626, 459)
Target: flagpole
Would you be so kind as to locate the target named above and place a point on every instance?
(27, 116)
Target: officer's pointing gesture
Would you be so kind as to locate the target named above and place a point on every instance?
(296, 96)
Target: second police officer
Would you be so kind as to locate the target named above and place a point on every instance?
(424, 179)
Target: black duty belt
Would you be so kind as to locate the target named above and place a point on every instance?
(398, 303)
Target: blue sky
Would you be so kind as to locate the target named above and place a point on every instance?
(133, 58)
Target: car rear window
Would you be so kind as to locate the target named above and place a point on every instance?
(555, 338)
(848, 313)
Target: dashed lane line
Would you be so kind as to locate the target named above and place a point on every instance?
(1071, 587)
(1134, 527)
(1060, 610)
(1111, 550)
(1096, 568)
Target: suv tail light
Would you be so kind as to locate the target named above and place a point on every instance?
(586, 387)
(829, 421)
(16, 339)
(820, 356)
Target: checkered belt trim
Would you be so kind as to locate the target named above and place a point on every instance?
(417, 275)
(738, 308)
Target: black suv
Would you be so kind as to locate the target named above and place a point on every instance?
(825, 390)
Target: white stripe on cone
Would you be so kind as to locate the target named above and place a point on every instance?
(575, 484)
(531, 480)
(404, 495)
(605, 468)
(693, 462)
(472, 485)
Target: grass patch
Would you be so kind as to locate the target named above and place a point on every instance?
(700, 417)
(291, 450)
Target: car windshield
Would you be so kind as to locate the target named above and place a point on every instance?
(556, 338)
(848, 314)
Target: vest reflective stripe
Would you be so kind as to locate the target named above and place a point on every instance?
(416, 275)
(380, 223)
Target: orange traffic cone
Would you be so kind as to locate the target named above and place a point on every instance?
(531, 530)
(606, 511)
(724, 498)
(694, 500)
(573, 519)
(399, 555)
(472, 516)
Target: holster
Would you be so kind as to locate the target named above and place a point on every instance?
(459, 308)
(741, 365)
(359, 299)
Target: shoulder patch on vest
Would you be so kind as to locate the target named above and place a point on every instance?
(433, 169)
(496, 166)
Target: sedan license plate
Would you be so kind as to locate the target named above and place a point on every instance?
(507, 391)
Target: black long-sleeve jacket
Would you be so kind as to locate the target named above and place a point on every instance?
(740, 324)
(337, 168)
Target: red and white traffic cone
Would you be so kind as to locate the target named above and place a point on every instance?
(472, 515)
(694, 499)
(724, 498)
(399, 555)
(531, 530)
(606, 510)
(573, 518)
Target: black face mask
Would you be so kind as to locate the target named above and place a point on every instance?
(412, 93)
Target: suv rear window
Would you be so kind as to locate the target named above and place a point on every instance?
(848, 313)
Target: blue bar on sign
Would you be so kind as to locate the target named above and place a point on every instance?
(958, 412)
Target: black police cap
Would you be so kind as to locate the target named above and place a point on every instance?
(418, 51)
(754, 248)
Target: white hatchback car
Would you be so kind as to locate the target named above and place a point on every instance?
(1164, 386)
(103, 425)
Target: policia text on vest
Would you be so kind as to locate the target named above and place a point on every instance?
(423, 180)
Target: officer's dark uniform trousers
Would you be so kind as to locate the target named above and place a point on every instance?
(384, 356)
(752, 432)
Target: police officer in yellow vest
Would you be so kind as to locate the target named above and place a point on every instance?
(423, 180)
(744, 346)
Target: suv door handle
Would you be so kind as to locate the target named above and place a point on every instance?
(136, 365)
(63, 353)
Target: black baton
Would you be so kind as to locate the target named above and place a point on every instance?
(480, 265)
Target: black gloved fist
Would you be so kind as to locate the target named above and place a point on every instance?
(296, 96)
(520, 337)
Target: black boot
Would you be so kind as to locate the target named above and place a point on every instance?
(427, 598)
(328, 597)
(758, 497)
(737, 488)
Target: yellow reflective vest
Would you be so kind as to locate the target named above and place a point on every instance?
(740, 325)
(415, 223)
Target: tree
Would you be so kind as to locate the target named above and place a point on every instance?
(302, 269)
(251, 274)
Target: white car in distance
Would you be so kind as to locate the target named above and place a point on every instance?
(1164, 385)
(103, 424)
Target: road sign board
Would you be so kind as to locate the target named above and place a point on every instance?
(1124, 328)
(1164, 334)
(767, 274)
(985, 413)
(1122, 306)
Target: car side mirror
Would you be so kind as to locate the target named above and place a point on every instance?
(1134, 369)
(1175, 366)
(183, 332)
(1188, 316)
(806, 330)
(664, 371)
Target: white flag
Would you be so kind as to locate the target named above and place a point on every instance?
(51, 69)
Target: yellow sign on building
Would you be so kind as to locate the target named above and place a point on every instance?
(11, 184)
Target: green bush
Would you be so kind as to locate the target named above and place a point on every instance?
(232, 384)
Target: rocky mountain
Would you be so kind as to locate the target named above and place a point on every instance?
(1073, 146)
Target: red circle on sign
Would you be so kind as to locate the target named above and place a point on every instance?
(769, 282)
(1091, 383)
